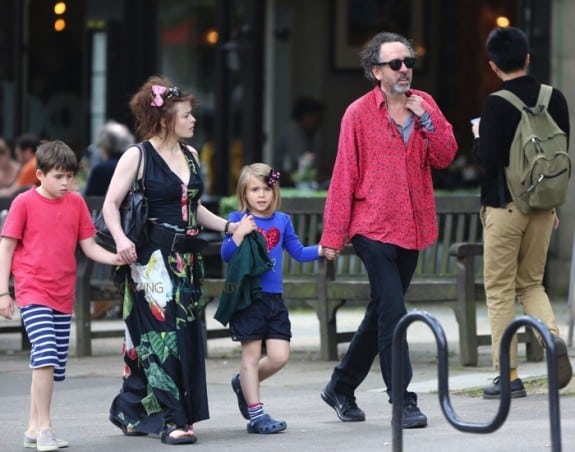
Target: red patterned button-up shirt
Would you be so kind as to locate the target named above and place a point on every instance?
(381, 187)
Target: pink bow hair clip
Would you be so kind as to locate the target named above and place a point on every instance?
(158, 91)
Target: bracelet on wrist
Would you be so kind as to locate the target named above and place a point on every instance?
(227, 227)
(3, 294)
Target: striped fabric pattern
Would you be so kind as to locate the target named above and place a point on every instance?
(49, 334)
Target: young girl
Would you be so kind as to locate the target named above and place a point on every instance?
(265, 319)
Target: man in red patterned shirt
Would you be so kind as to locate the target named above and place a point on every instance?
(381, 199)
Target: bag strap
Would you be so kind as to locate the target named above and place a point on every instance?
(140, 146)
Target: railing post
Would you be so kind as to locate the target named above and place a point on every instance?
(399, 337)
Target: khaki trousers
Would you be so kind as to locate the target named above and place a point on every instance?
(514, 257)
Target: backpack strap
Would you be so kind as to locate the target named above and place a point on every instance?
(519, 105)
(544, 95)
(542, 99)
(512, 98)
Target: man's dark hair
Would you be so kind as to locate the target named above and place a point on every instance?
(507, 48)
(370, 53)
(27, 141)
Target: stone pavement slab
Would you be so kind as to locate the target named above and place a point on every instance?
(81, 403)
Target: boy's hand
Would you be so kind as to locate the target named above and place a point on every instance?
(6, 307)
(117, 260)
(126, 251)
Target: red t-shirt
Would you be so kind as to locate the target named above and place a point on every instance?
(44, 261)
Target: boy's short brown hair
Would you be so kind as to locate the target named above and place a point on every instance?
(56, 154)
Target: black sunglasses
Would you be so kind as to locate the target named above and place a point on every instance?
(395, 65)
(172, 92)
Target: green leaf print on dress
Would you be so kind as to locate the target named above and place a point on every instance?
(154, 349)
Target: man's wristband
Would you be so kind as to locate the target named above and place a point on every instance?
(3, 294)
(227, 227)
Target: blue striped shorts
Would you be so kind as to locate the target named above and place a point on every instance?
(49, 334)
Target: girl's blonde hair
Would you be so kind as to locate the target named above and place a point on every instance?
(265, 173)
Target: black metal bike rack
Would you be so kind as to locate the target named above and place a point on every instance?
(399, 337)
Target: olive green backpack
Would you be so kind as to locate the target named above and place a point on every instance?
(539, 167)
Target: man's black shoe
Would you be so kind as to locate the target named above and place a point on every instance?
(564, 369)
(344, 405)
(494, 391)
(412, 416)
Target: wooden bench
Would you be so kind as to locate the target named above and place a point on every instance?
(448, 271)
(90, 287)
(11, 326)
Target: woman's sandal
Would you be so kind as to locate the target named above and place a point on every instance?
(130, 432)
(266, 424)
(188, 438)
(127, 431)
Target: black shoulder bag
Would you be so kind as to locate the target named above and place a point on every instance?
(133, 215)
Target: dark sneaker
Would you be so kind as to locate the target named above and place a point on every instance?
(494, 391)
(242, 404)
(344, 405)
(412, 416)
(564, 370)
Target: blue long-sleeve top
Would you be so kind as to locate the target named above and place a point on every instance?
(279, 234)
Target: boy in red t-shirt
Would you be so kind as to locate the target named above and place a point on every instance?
(39, 239)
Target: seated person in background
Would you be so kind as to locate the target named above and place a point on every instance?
(112, 140)
(299, 135)
(25, 147)
(9, 167)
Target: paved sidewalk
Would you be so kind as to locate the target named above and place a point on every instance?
(81, 403)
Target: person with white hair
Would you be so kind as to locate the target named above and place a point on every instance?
(113, 139)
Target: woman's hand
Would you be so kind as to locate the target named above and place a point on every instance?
(126, 250)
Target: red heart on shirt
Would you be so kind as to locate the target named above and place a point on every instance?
(271, 236)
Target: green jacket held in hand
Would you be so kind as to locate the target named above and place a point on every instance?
(242, 285)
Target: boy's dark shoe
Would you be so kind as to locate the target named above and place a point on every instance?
(242, 404)
(494, 391)
(412, 416)
(344, 405)
(564, 369)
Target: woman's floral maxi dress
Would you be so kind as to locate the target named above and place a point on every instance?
(164, 383)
